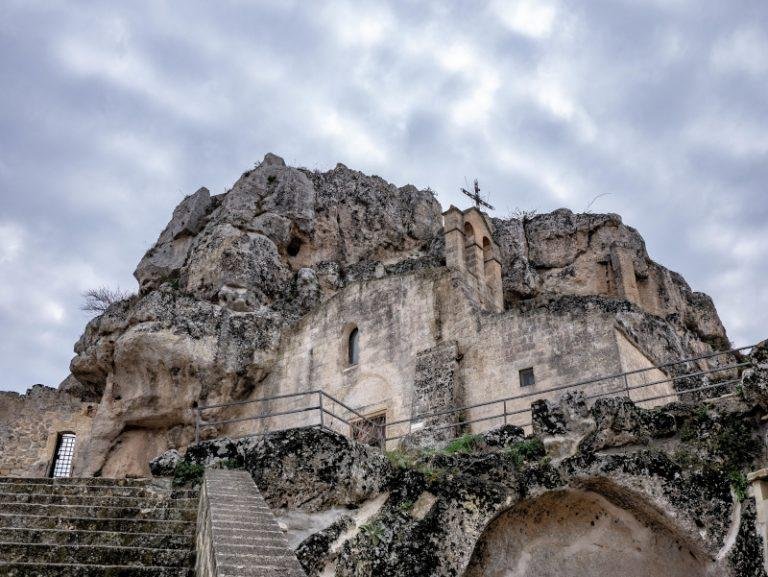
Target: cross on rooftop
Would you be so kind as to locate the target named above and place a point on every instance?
(479, 201)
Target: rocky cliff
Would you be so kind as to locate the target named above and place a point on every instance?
(231, 271)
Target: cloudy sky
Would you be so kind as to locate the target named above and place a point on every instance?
(111, 112)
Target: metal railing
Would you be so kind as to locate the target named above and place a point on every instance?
(504, 415)
(326, 409)
(352, 423)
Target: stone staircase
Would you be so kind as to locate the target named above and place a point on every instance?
(96, 527)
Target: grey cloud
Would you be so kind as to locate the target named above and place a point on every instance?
(110, 113)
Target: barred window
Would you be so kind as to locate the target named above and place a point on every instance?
(65, 450)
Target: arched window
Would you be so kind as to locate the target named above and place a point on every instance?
(487, 253)
(353, 347)
(469, 233)
(65, 450)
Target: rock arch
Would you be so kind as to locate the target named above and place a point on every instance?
(585, 532)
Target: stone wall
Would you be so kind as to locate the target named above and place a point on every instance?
(634, 359)
(29, 428)
(561, 346)
(407, 325)
(436, 388)
(396, 316)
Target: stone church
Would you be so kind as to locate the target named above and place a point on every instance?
(297, 280)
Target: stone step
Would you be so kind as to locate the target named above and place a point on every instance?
(92, 481)
(245, 570)
(96, 490)
(21, 521)
(73, 570)
(103, 500)
(121, 539)
(94, 555)
(154, 512)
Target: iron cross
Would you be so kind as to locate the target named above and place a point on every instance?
(476, 197)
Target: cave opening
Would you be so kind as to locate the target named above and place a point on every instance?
(583, 531)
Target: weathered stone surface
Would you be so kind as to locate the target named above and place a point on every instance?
(589, 254)
(231, 503)
(233, 275)
(27, 443)
(305, 468)
(436, 388)
(170, 251)
(225, 276)
(165, 464)
(310, 468)
(96, 527)
(657, 490)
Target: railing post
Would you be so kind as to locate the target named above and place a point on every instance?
(383, 437)
(505, 411)
(197, 425)
(320, 404)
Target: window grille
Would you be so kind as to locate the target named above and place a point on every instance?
(527, 378)
(65, 450)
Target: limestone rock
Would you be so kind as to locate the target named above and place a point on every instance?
(230, 273)
(754, 380)
(311, 468)
(188, 217)
(165, 464)
(225, 257)
(169, 253)
(658, 510)
(562, 253)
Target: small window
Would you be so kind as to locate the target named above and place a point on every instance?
(353, 347)
(526, 378)
(65, 450)
(369, 431)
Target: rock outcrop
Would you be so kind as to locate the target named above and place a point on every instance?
(230, 272)
(225, 276)
(561, 253)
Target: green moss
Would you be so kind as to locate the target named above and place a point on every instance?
(406, 505)
(529, 449)
(464, 444)
(187, 474)
(271, 179)
(431, 473)
(374, 531)
(739, 484)
(686, 458)
(400, 459)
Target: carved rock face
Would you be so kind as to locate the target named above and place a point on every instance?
(562, 253)
(216, 289)
(231, 271)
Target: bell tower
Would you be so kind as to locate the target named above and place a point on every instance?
(470, 250)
